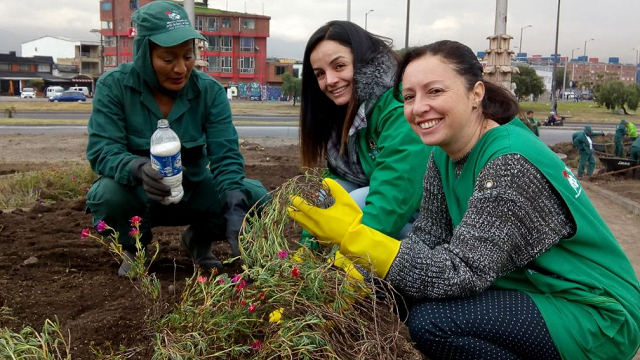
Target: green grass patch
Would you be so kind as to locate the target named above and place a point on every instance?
(68, 182)
(583, 111)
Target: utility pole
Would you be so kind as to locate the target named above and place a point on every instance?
(406, 34)
(554, 100)
(348, 10)
(499, 69)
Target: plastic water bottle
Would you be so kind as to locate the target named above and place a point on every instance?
(165, 157)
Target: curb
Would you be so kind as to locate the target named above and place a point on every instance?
(629, 205)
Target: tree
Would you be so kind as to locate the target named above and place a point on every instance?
(291, 86)
(527, 83)
(615, 95)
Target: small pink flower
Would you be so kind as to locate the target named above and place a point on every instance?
(295, 272)
(134, 232)
(101, 226)
(241, 285)
(74, 178)
(252, 308)
(283, 254)
(256, 345)
(243, 302)
(85, 233)
(236, 278)
(221, 281)
(202, 279)
(136, 221)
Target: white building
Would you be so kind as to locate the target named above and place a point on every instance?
(56, 47)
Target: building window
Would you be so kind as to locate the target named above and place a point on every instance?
(133, 5)
(219, 64)
(226, 22)
(248, 24)
(199, 23)
(212, 24)
(110, 60)
(107, 24)
(105, 6)
(279, 70)
(44, 68)
(110, 41)
(24, 67)
(246, 65)
(296, 73)
(226, 44)
(246, 44)
(213, 43)
(5, 67)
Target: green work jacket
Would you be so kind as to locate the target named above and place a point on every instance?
(394, 159)
(125, 115)
(584, 286)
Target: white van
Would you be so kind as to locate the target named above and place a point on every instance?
(83, 89)
(53, 91)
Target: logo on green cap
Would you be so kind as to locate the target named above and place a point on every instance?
(176, 21)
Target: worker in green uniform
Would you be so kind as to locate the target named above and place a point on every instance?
(618, 138)
(533, 122)
(583, 141)
(161, 83)
(482, 278)
(634, 151)
(632, 132)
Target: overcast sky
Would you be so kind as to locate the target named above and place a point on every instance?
(613, 24)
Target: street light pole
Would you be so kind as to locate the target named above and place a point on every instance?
(554, 105)
(521, 30)
(365, 18)
(585, 46)
(406, 33)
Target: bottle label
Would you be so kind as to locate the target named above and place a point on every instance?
(167, 165)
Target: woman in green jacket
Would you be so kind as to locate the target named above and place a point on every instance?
(162, 84)
(350, 119)
(483, 278)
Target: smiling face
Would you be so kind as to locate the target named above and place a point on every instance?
(173, 65)
(439, 107)
(332, 65)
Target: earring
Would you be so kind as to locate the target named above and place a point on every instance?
(474, 107)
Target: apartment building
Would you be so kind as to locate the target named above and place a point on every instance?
(235, 51)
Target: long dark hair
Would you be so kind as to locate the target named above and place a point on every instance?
(498, 104)
(319, 115)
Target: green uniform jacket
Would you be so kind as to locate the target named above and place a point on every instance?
(125, 115)
(394, 159)
(584, 286)
(631, 130)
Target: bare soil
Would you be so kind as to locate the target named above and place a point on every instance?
(76, 281)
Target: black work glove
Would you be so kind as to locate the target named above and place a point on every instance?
(141, 170)
(234, 204)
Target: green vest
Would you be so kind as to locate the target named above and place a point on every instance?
(585, 287)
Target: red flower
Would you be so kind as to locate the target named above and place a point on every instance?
(136, 221)
(85, 233)
(282, 254)
(202, 279)
(256, 345)
(134, 232)
(295, 272)
(101, 226)
(243, 302)
(221, 281)
(241, 285)
(252, 308)
(262, 295)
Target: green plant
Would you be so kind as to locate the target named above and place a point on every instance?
(9, 111)
(48, 344)
(45, 186)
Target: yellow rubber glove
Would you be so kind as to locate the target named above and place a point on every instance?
(330, 224)
(345, 264)
(370, 245)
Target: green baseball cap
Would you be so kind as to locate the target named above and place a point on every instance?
(165, 23)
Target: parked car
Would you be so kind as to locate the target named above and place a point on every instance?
(52, 91)
(28, 93)
(69, 95)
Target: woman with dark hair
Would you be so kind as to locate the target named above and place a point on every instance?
(350, 118)
(483, 278)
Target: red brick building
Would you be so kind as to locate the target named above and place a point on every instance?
(236, 49)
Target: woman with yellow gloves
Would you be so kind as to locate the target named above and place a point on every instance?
(483, 278)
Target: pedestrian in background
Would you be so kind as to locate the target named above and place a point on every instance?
(533, 122)
(161, 83)
(618, 138)
(632, 132)
(351, 123)
(484, 279)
